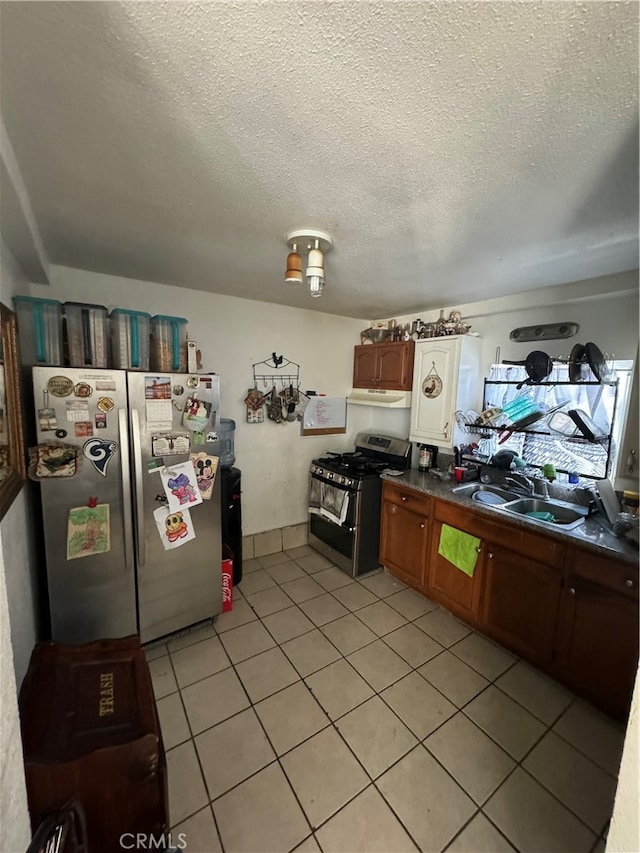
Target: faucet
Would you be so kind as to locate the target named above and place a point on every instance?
(528, 486)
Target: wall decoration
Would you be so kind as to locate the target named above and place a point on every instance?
(181, 486)
(432, 384)
(175, 528)
(99, 452)
(88, 531)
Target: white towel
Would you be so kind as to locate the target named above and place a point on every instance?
(315, 494)
(335, 503)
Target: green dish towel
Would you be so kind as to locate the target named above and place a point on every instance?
(459, 548)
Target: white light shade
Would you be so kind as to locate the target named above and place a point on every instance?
(316, 283)
(315, 271)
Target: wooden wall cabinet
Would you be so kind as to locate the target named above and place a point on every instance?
(404, 534)
(384, 366)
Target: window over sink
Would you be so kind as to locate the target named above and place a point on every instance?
(605, 404)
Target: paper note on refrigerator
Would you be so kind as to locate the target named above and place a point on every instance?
(175, 528)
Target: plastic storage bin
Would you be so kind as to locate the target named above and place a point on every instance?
(168, 344)
(130, 332)
(87, 334)
(226, 436)
(40, 330)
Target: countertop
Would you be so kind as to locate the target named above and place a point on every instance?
(590, 534)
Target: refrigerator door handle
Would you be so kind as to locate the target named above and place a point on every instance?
(137, 473)
(127, 510)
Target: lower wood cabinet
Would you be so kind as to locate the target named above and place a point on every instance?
(570, 611)
(519, 603)
(404, 532)
(450, 586)
(597, 638)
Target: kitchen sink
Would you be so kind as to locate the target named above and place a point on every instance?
(478, 492)
(564, 514)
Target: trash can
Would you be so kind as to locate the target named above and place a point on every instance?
(90, 733)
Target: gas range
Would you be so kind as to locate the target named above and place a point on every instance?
(344, 500)
(346, 469)
(372, 455)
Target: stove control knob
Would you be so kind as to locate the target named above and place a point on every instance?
(330, 475)
(343, 480)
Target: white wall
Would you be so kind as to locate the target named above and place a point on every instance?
(233, 334)
(624, 833)
(17, 633)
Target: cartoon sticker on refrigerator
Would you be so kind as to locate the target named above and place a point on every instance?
(175, 528)
(181, 486)
(88, 531)
(205, 467)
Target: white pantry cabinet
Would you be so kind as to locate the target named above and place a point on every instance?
(446, 377)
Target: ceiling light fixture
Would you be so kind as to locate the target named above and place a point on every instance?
(317, 243)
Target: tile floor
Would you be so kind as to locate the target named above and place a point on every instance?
(330, 714)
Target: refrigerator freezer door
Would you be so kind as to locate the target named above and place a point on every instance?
(92, 592)
(180, 586)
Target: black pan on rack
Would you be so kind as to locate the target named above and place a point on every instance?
(538, 366)
(576, 360)
(596, 361)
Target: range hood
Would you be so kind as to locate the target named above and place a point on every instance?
(380, 397)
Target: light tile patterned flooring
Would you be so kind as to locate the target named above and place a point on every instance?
(329, 714)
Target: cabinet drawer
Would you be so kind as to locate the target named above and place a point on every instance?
(409, 498)
(514, 538)
(616, 575)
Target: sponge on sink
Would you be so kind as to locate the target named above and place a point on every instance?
(541, 516)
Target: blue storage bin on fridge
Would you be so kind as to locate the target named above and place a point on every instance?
(168, 344)
(130, 331)
(39, 330)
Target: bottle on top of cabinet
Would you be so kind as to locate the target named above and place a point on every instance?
(447, 376)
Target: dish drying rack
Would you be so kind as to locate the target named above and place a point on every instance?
(592, 459)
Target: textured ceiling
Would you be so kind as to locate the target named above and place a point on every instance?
(453, 150)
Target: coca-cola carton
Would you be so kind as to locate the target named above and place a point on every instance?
(227, 580)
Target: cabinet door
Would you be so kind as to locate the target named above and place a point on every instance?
(519, 603)
(434, 391)
(598, 643)
(449, 585)
(403, 543)
(396, 366)
(365, 366)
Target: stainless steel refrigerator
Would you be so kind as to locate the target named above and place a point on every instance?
(120, 555)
